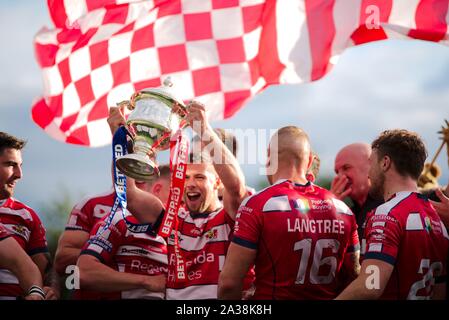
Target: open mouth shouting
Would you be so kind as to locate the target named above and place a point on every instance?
(193, 200)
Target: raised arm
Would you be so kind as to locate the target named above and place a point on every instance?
(143, 205)
(225, 164)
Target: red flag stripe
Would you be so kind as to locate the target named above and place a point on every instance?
(431, 21)
(41, 114)
(371, 13)
(321, 34)
(268, 59)
(57, 13)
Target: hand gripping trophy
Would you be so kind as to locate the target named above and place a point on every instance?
(156, 116)
(156, 119)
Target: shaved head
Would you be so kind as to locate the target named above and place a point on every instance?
(359, 150)
(289, 146)
(352, 161)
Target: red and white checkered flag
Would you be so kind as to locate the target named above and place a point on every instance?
(221, 52)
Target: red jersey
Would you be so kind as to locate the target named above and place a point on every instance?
(130, 252)
(302, 234)
(83, 217)
(407, 233)
(4, 233)
(27, 229)
(204, 240)
(90, 210)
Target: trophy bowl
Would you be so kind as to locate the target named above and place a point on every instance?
(156, 115)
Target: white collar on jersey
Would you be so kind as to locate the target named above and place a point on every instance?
(2, 201)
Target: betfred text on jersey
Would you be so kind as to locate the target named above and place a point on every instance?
(201, 258)
(316, 226)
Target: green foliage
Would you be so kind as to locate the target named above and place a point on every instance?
(262, 184)
(54, 214)
(324, 182)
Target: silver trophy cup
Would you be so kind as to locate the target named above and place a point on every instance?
(156, 115)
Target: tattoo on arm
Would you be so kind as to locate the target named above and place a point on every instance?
(355, 258)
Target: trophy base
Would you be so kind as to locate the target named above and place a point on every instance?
(138, 167)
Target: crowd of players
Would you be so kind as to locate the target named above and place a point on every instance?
(292, 240)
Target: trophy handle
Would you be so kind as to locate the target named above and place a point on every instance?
(132, 101)
(183, 124)
(127, 104)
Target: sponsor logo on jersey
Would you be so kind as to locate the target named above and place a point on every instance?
(302, 205)
(201, 258)
(20, 230)
(101, 210)
(383, 217)
(171, 238)
(212, 234)
(196, 231)
(137, 251)
(244, 209)
(138, 266)
(428, 224)
(432, 225)
(182, 213)
(321, 204)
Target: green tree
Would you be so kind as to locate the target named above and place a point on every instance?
(55, 213)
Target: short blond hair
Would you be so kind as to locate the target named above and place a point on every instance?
(292, 145)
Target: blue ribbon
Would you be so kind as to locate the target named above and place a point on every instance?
(120, 148)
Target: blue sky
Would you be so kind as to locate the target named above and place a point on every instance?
(395, 84)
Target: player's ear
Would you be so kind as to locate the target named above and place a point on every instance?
(386, 163)
(310, 177)
(310, 161)
(156, 189)
(217, 182)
